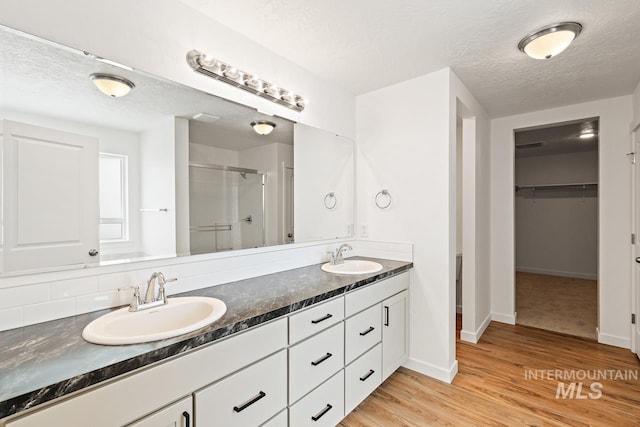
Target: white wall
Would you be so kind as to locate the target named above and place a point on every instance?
(266, 159)
(636, 105)
(459, 230)
(155, 36)
(158, 188)
(213, 155)
(476, 285)
(323, 165)
(285, 160)
(557, 230)
(614, 209)
(406, 144)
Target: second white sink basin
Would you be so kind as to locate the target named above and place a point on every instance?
(179, 316)
(352, 266)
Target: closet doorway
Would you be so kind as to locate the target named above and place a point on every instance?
(556, 221)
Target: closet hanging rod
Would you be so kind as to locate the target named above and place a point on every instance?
(222, 168)
(567, 186)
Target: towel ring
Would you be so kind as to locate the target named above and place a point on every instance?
(327, 201)
(378, 199)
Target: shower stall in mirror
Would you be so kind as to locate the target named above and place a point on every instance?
(226, 208)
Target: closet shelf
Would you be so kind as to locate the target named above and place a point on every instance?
(565, 186)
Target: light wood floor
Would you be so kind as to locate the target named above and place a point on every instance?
(491, 389)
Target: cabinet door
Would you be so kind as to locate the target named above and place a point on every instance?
(50, 206)
(178, 414)
(394, 333)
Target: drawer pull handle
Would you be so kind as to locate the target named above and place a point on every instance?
(371, 328)
(249, 402)
(322, 319)
(187, 419)
(322, 359)
(367, 375)
(386, 315)
(321, 413)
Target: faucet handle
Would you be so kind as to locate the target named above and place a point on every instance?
(135, 300)
(332, 257)
(162, 295)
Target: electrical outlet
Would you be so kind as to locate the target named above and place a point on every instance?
(364, 230)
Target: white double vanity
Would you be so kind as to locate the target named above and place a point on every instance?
(311, 366)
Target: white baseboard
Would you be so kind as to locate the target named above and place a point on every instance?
(474, 337)
(445, 375)
(573, 274)
(613, 340)
(504, 318)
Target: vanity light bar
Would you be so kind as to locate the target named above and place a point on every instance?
(226, 73)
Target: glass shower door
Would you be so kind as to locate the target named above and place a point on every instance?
(226, 208)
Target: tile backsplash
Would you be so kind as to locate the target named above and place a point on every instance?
(26, 300)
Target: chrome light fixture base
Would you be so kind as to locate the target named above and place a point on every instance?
(571, 27)
(245, 81)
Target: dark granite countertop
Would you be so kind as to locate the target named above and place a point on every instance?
(42, 362)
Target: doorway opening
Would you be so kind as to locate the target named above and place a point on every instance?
(556, 227)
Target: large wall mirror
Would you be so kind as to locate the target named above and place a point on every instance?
(90, 179)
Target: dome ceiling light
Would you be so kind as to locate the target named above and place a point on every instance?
(112, 85)
(263, 127)
(549, 41)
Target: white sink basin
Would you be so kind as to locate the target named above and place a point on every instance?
(354, 266)
(179, 316)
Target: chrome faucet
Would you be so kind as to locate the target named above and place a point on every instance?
(150, 296)
(336, 258)
(150, 299)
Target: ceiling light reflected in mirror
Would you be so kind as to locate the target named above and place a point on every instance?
(112, 85)
(263, 127)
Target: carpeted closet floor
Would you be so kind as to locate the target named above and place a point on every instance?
(560, 304)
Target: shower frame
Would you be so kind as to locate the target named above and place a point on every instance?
(242, 171)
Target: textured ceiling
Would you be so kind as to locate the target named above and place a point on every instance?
(367, 44)
(42, 78)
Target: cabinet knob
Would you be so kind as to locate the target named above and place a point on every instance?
(93, 252)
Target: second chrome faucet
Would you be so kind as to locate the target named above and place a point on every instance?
(337, 257)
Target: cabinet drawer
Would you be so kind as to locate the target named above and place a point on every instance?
(247, 398)
(178, 414)
(315, 319)
(362, 332)
(280, 420)
(362, 377)
(323, 407)
(314, 360)
(360, 299)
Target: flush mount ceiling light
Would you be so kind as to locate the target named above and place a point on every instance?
(549, 41)
(263, 127)
(587, 135)
(226, 73)
(111, 85)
